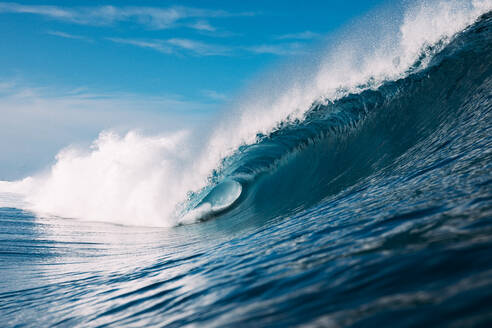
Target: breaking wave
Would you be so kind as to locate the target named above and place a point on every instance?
(373, 97)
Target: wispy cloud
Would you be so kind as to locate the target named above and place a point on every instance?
(50, 11)
(6, 86)
(214, 95)
(177, 45)
(306, 35)
(69, 36)
(202, 25)
(281, 49)
(38, 121)
(162, 18)
(16, 97)
(150, 17)
(199, 48)
(154, 45)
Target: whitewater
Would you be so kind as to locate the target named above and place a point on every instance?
(353, 191)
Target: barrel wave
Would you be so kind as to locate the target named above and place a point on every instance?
(402, 124)
(362, 198)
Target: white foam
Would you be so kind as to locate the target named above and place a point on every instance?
(144, 180)
(134, 179)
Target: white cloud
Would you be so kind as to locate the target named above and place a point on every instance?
(177, 45)
(160, 18)
(306, 35)
(200, 48)
(154, 45)
(150, 17)
(5, 86)
(282, 49)
(81, 107)
(50, 11)
(68, 36)
(214, 95)
(42, 98)
(202, 25)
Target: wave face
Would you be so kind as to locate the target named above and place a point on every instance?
(377, 132)
(293, 136)
(362, 203)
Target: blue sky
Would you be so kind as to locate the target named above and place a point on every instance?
(72, 68)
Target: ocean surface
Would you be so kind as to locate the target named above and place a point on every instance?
(372, 208)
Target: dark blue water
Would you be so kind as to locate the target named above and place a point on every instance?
(374, 211)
